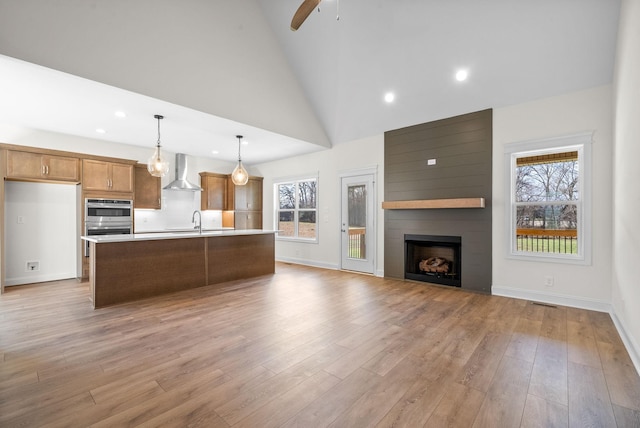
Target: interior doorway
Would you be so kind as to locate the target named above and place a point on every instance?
(357, 222)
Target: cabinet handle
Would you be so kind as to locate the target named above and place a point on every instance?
(47, 169)
(43, 170)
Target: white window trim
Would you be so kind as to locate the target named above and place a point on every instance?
(276, 205)
(583, 143)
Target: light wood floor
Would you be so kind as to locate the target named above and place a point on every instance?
(309, 347)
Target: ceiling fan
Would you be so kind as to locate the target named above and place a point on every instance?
(303, 13)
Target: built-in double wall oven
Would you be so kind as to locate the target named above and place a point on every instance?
(107, 217)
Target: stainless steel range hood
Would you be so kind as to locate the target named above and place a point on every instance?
(181, 182)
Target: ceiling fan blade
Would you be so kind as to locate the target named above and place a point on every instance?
(303, 12)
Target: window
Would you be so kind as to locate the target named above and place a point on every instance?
(549, 211)
(296, 209)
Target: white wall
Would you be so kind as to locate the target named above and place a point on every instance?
(328, 164)
(626, 211)
(585, 286)
(46, 233)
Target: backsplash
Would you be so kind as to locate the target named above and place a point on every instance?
(177, 211)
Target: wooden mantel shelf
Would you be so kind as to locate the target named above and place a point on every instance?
(426, 204)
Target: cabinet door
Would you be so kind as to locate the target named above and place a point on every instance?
(100, 175)
(249, 196)
(24, 165)
(148, 192)
(121, 177)
(95, 175)
(253, 197)
(247, 220)
(214, 191)
(254, 220)
(61, 168)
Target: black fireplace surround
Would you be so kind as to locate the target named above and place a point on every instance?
(422, 247)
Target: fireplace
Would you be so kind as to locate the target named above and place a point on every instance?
(433, 258)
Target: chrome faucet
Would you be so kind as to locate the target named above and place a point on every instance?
(193, 220)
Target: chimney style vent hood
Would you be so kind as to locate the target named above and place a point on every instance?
(181, 182)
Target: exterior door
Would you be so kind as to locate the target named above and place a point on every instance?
(358, 223)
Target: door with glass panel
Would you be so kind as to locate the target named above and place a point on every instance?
(357, 223)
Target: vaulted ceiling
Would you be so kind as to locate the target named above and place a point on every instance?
(217, 68)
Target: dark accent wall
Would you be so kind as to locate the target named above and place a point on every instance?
(462, 147)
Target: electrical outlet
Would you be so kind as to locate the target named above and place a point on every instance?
(548, 281)
(32, 266)
(20, 219)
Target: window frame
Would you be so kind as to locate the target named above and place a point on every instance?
(296, 210)
(577, 142)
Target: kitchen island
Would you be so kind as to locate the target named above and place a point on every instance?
(131, 267)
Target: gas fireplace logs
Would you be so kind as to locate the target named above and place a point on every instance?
(434, 265)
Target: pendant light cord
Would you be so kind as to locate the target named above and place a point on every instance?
(158, 132)
(239, 142)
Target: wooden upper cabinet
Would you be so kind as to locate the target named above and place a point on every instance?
(247, 197)
(37, 166)
(214, 191)
(247, 204)
(107, 176)
(148, 193)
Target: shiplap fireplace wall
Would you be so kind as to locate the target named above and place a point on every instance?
(437, 181)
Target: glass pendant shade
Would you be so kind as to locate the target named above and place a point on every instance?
(239, 176)
(157, 165)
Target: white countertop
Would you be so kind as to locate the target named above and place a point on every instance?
(175, 235)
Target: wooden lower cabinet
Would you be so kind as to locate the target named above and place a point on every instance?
(248, 220)
(131, 270)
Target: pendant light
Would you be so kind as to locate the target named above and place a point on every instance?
(239, 176)
(157, 165)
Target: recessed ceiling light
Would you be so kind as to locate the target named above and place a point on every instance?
(215, 152)
(101, 131)
(461, 75)
(389, 97)
(245, 142)
(120, 114)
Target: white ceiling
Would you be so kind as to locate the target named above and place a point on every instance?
(38, 97)
(515, 51)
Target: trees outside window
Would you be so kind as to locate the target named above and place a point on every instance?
(296, 212)
(549, 202)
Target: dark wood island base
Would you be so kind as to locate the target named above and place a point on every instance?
(126, 270)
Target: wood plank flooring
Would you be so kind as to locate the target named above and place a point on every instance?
(309, 347)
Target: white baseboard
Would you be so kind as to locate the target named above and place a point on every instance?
(378, 273)
(553, 298)
(576, 302)
(306, 262)
(632, 347)
(32, 279)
